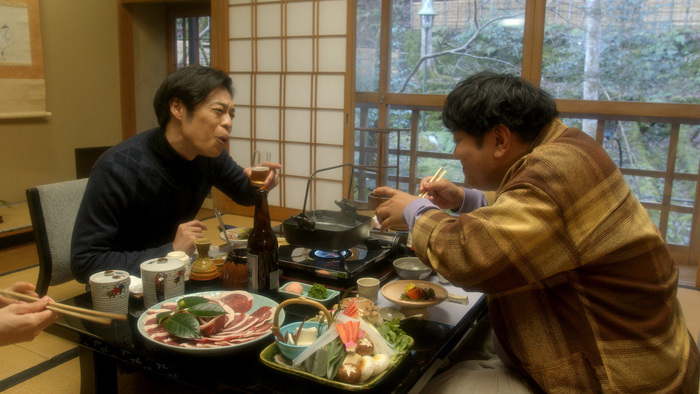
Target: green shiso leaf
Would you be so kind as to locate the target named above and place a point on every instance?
(183, 325)
(188, 302)
(163, 316)
(209, 309)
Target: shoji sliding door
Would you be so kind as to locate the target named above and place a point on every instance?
(289, 63)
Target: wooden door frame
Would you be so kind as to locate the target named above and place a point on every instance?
(125, 35)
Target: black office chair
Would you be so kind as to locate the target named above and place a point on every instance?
(53, 209)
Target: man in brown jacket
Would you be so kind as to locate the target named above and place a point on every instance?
(581, 285)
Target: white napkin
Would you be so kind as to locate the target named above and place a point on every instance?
(136, 286)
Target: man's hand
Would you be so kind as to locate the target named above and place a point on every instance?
(186, 234)
(21, 322)
(18, 287)
(273, 178)
(443, 193)
(390, 212)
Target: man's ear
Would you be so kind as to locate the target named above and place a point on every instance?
(502, 140)
(177, 109)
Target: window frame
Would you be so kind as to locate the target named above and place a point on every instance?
(535, 11)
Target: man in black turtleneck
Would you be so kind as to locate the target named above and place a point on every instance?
(143, 194)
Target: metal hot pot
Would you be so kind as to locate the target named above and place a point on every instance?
(331, 231)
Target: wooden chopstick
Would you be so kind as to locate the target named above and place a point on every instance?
(438, 175)
(82, 313)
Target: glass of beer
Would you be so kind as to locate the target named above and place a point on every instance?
(260, 169)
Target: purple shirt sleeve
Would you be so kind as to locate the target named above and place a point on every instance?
(473, 199)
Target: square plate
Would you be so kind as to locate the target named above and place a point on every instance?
(332, 295)
(267, 356)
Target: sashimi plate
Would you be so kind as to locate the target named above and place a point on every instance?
(258, 303)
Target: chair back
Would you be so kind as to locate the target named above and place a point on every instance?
(53, 209)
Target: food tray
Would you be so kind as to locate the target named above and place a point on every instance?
(267, 357)
(331, 298)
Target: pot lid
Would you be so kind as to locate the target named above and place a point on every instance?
(161, 264)
(109, 276)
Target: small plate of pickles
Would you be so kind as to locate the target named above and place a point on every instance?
(316, 292)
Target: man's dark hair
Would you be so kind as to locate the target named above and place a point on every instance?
(486, 99)
(191, 85)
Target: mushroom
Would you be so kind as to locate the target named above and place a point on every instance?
(365, 347)
(348, 373)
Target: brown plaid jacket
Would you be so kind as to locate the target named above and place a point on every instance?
(581, 285)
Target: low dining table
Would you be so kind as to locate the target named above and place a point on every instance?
(104, 348)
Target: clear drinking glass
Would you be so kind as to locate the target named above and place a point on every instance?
(260, 169)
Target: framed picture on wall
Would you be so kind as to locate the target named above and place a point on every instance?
(21, 61)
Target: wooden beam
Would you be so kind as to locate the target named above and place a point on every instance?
(126, 70)
(219, 35)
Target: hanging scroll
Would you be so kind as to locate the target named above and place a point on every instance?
(22, 86)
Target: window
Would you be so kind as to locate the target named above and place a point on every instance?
(640, 54)
(190, 36)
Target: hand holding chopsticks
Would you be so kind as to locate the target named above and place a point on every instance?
(82, 313)
(438, 175)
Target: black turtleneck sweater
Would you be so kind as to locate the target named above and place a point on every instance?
(138, 193)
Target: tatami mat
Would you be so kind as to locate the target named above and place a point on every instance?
(64, 378)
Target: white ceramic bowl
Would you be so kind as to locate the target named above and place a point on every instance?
(411, 268)
(238, 236)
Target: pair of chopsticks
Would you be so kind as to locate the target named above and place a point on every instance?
(438, 175)
(82, 313)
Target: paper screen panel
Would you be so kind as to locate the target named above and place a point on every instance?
(329, 156)
(241, 25)
(329, 126)
(269, 57)
(300, 18)
(298, 91)
(300, 55)
(267, 89)
(326, 193)
(291, 57)
(297, 159)
(269, 22)
(332, 18)
(267, 123)
(240, 152)
(241, 82)
(297, 125)
(328, 86)
(332, 50)
(294, 190)
(240, 55)
(241, 123)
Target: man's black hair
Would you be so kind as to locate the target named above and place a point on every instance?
(486, 99)
(191, 85)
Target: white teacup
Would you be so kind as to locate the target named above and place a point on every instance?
(368, 288)
(162, 278)
(185, 260)
(110, 291)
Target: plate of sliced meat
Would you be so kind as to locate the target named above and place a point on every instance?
(248, 319)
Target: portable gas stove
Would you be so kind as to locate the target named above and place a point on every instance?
(343, 265)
